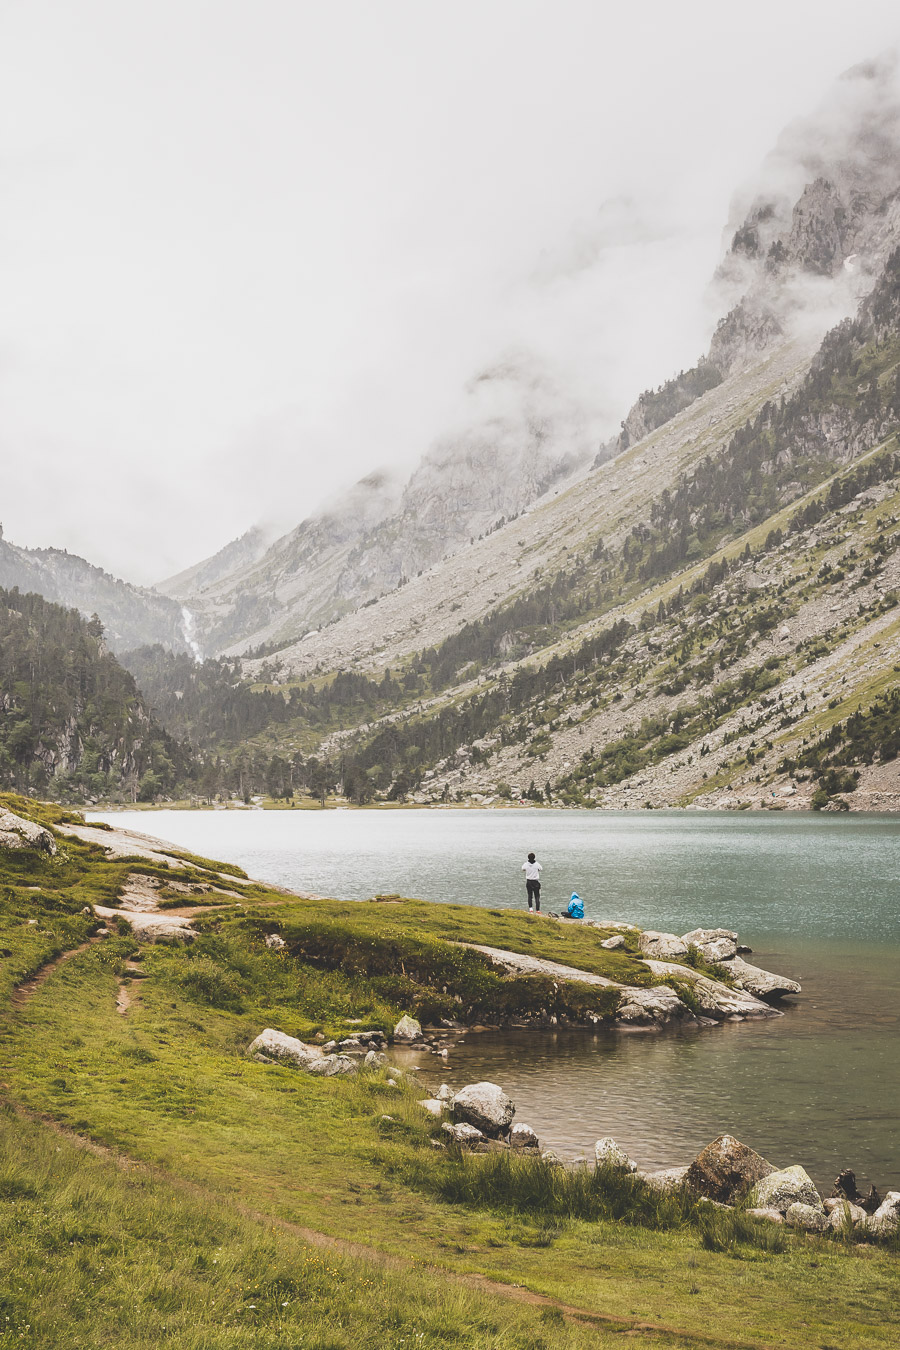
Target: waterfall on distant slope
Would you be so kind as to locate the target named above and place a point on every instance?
(189, 630)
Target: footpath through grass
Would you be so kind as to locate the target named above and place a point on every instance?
(169, 1083)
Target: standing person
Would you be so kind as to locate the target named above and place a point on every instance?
(532, 869)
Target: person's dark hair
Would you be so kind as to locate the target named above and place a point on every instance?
(531, 857)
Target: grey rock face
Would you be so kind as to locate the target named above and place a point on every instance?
(18, 833)
(780, 1190)
(662, 946)
(484, 1105)
(608, 1154)
(726, 1170)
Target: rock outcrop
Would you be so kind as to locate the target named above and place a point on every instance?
(274, 1047)
(726, 1170)
(18, 833)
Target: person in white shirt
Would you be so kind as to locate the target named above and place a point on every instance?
(532, 869)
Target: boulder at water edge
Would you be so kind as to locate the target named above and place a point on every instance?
(726, 1169)
(665, 1178)
(523, 1136)
(407, 1029)
(662, 946)
(714, 944)
(780, 1190)
(886, 1218)
(608, 1154)
(274, 1047)
(484, 1105)
(845, 1214)
(810, 1218)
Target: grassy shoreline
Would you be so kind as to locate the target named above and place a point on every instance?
(237, 1149)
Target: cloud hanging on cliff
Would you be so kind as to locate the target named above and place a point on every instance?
(249, 253)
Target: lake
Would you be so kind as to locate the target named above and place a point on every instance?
(816, 897)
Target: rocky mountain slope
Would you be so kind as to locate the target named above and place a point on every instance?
(131, 615)
(520, 436)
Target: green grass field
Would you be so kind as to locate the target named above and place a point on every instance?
(199, 1219)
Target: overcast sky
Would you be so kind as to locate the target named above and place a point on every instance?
(251, 249)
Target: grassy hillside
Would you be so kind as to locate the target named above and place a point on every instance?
(158, 1186)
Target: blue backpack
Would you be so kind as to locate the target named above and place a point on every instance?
(576, 908)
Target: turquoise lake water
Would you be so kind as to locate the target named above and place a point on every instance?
(816, 897)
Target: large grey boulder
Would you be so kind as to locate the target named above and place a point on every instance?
(726, 1170)
(662, 946)
(407, 1029)
(613, 944)
(274, 1045)
(886, 1218)
(780, 1190)
(808, 1217)
(484, 1105)
(715, 944)
(608, 1154)
(18, 833)
(760, 983)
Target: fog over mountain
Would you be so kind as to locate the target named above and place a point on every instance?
(246, 263)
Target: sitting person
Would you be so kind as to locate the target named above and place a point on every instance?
(575, 909)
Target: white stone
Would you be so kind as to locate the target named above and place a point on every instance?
(780, 1190)
(432, 1105)
(484, 1105)
(608, 1154)
(444, 1093)
(275, 1045)
(407, 1029)
(463, 1133)
(374, 1059)
(613, 944)
(275, 943)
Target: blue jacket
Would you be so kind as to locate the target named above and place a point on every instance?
(576, 908)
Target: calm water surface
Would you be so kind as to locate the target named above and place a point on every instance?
(817, 897)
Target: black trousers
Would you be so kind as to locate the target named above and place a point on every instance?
(534, 893)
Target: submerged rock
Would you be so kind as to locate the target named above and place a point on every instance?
(780, 1190)
(608, 1154)
(484, 1105)
(726, 1170)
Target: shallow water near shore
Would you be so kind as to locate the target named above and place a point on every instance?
(817, 897)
